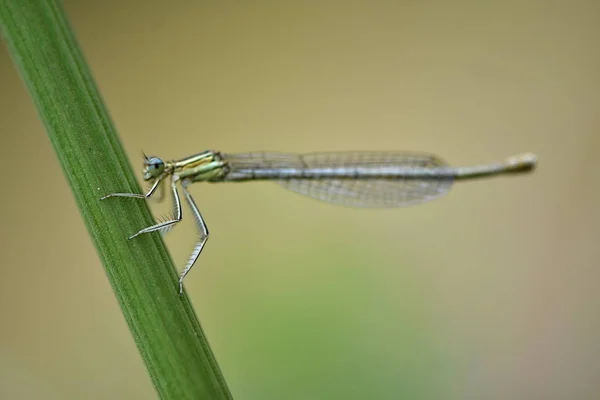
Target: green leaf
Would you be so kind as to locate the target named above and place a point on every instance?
(163, 323)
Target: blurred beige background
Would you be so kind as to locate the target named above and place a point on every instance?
(488, 293)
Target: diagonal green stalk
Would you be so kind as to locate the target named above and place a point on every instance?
(163, 323)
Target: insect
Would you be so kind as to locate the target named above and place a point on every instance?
(355, 179)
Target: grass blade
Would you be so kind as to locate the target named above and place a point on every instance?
(163, 324)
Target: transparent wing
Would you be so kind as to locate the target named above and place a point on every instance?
(353, 191)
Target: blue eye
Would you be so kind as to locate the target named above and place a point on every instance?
(154, 166)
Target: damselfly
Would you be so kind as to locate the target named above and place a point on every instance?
(356, 179)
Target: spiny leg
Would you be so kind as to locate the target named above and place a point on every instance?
(203, 234)
(135, 195)
(165, 225)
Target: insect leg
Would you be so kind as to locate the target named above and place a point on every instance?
(168, 224)
(135, 195)
(203, 237)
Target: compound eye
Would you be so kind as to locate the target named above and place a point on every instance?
(154, 168)
(156, 163)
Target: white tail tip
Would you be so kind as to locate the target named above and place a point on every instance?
(521, 162)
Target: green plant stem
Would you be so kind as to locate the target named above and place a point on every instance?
(163, 323)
